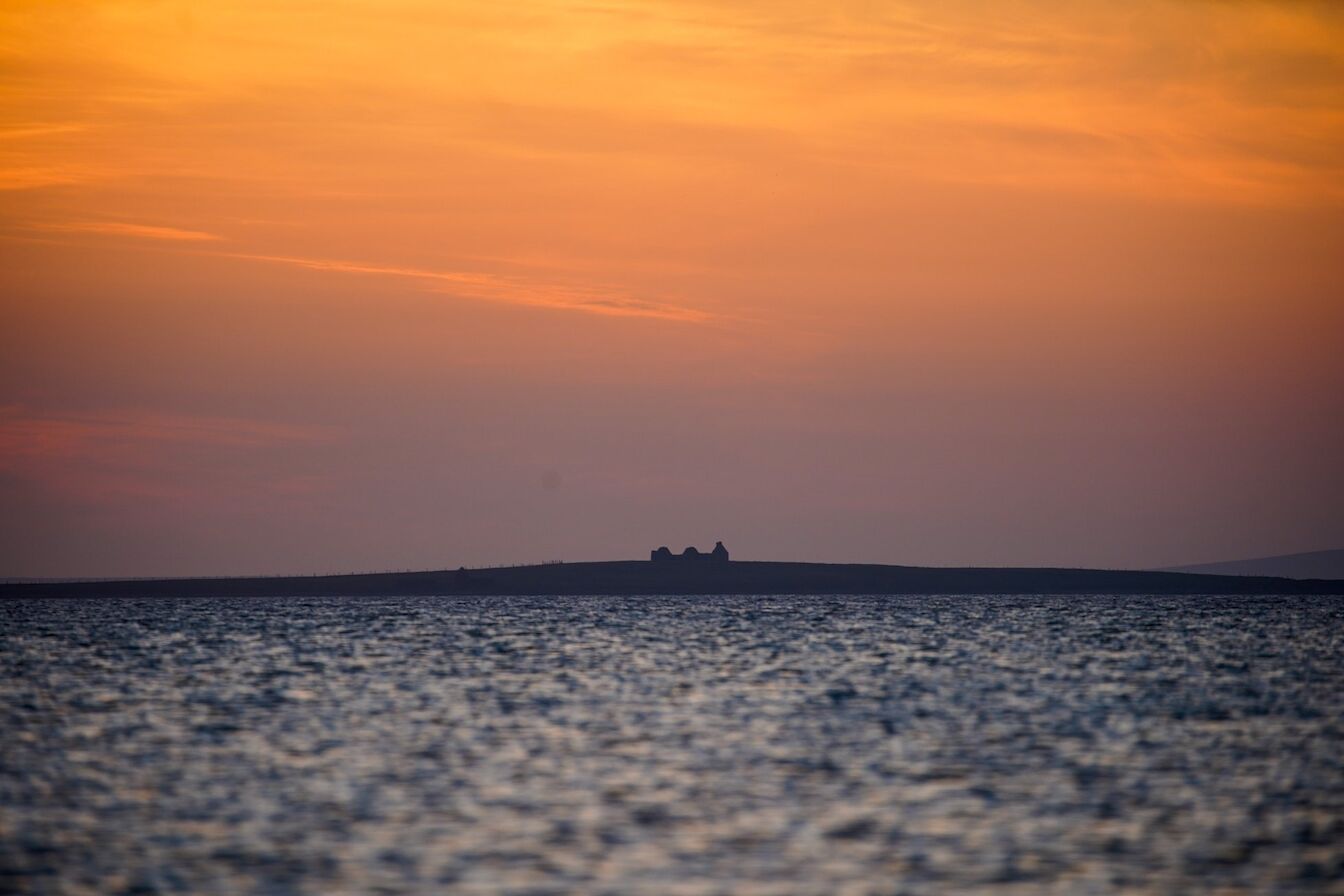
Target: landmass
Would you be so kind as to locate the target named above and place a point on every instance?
(1309, 565)
(698, 574)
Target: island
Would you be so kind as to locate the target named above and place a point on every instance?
(690, 573)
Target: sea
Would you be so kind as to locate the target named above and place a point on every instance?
(673, 745)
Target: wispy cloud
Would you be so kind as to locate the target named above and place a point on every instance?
(533, 292)
(125, 228)
(32, 177)
(24, 433)
(136, 453)
(26, 131)
(734, 82)
(610, 301)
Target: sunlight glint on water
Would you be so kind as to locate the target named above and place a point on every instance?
(673, 745)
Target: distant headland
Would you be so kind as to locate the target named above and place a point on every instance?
(692, 572)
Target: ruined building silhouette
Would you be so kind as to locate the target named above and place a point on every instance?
(690, 555)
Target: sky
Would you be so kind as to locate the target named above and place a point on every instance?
(299, 286)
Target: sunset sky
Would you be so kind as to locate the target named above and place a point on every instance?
(319, 286)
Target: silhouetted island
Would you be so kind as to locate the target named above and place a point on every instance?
(692, 572)
(1309, 565)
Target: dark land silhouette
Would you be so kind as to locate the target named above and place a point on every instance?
(692, 572)
(1309, 565)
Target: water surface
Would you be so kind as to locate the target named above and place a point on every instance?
(696, 745)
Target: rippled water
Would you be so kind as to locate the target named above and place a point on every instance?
(673, 745)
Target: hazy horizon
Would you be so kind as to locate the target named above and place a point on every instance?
(413, 285)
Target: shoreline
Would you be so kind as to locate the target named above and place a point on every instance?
(642, 577)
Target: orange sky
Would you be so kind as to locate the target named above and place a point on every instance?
(308, 286)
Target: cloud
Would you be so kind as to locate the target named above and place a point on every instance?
(112, 454)
(587, 298)
(602, 300)
(28, 131)
(124, 228)
(32, 177)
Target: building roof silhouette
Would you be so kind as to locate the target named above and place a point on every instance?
(691, 554)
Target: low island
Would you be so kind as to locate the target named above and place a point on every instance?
(691, 572)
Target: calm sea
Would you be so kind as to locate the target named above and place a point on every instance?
(734, 745)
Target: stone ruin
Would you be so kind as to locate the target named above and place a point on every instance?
(690, 555)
